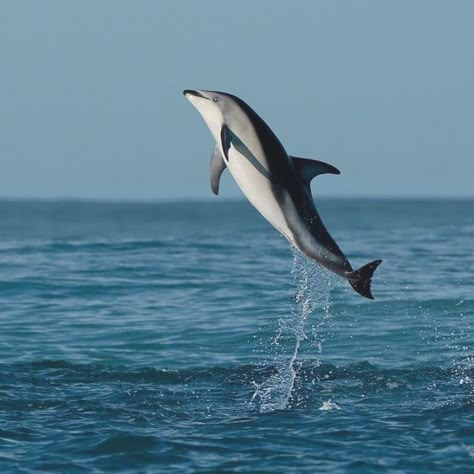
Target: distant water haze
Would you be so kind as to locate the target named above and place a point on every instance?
(91, 103)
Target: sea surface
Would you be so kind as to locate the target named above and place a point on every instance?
(189, 337)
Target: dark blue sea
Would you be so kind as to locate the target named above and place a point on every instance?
(189, 337)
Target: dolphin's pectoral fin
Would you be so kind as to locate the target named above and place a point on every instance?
(217, 168)
(225, 141)
(308, 169)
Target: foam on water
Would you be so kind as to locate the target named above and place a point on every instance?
(328, 405)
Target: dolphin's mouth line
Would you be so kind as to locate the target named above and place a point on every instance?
(194, 93)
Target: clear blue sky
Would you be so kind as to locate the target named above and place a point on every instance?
(91, 103)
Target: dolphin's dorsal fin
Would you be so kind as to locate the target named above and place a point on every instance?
(308, 169)
(217, 167)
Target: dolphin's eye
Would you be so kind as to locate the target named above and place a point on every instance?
(215, 99)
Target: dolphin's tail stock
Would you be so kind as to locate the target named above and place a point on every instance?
(361, 279)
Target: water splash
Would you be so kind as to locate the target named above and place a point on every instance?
(453, 342)
(312, 292)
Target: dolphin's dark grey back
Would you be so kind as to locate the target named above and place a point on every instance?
(286, 178)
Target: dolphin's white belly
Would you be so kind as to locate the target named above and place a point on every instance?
(258, 190)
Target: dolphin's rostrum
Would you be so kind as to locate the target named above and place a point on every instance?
(277, 184)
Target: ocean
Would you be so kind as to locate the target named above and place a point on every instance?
(186, 337)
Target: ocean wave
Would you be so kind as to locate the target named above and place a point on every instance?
(312, 371)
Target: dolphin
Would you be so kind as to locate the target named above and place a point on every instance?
(275, 183)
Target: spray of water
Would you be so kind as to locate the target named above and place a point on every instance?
(312, 294)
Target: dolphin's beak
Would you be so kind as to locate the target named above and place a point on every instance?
(187, 92)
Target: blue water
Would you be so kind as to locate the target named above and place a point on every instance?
(189, 337)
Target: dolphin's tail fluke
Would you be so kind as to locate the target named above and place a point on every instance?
(361, 279)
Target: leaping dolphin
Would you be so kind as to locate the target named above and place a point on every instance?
(276, 184)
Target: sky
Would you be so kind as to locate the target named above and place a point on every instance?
(91, 102)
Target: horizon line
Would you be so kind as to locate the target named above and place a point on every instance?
(210, 199)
